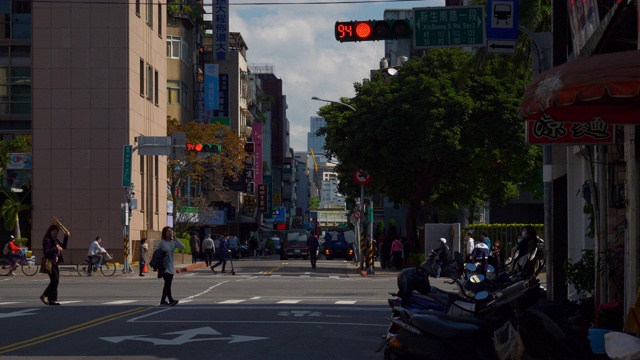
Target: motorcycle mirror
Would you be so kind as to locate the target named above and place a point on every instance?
(470, 266)
(476, 279)
(482, 295)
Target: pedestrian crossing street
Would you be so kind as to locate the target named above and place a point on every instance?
(257, 300)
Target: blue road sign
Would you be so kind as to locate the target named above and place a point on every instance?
(502, 19)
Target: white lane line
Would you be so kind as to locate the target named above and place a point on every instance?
(118, 302)
(70, 301)
(255, 298)
(288, 301)
(231, 301)
(204, 292)
(334, 277)
(9, 302)
(345, 302)
(276, 275)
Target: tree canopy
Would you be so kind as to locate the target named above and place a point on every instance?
(444, 132)
(206, 169)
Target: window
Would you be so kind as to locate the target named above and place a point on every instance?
(177, 93)
(173, 46)
(149, 82)
(141, 77)
(150, 13)
(160, 19)
(138, 8)
(177, 49)
(155, 87)
(15, 90)
(173, 92)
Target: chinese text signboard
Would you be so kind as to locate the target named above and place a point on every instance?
(547, 131)
(449, 26)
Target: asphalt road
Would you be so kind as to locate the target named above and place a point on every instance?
(271, 309)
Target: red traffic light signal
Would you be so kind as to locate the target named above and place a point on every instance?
(281, 226)
(371, 30)
(250, 147)
(204, 148)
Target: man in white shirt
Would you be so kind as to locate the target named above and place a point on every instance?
(95, 252)
(470, 246)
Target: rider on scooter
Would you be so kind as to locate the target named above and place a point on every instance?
(442, 253)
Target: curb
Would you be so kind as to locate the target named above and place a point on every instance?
(189, 267)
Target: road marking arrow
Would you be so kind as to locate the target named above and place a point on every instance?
(24, 312)
(184, 337)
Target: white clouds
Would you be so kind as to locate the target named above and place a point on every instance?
(299, 41)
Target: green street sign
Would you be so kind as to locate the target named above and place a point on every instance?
(448, 26)
(127, 151)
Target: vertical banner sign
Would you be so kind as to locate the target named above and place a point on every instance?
(211, 87)
(220, 29)
(127, 150)
(256, 137)
(269, 182)
(262, 197)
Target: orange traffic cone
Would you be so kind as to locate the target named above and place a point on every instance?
(144, 268)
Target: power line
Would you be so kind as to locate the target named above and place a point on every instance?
(107, 2)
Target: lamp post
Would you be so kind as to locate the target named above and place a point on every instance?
(335, 102)
(359, 249)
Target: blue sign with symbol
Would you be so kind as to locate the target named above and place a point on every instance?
(502, 19)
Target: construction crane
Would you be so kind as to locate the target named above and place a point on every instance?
(315, 164)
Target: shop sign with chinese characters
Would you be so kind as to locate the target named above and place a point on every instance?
(547, 131)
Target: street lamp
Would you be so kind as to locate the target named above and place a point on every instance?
(335, 102)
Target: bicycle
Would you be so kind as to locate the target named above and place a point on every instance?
(108, 267)
(27, 265)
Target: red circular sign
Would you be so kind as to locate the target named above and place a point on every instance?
(362, 177)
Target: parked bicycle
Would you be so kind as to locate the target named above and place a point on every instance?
(27, 265)
(108, 267)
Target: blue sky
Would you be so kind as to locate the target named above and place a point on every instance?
(298, 40)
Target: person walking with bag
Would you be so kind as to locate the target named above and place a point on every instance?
(52, 248)
(168, 245)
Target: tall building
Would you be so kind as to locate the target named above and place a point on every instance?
(98, 76)
(314, 141)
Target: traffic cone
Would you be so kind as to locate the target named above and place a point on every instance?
(144, 268)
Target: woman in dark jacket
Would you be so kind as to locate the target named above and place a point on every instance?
(52, 248)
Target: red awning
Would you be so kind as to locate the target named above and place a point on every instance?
(601, 86)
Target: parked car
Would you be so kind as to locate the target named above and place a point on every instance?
(237, 250)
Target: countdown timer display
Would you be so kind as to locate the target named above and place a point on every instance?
(372, 30)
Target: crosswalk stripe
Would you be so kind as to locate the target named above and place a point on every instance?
(288, 301)
(9, 302)
(119, 302)
(231, 301)
(345, 302)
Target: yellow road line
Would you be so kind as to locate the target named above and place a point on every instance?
(69, 330)
(271, 271)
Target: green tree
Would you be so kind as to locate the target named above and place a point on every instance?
(314, 202)
(206, 169)
(445, 132)
(11, 209)
(19, 144)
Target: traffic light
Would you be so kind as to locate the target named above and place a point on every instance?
(281, 226)
(371, 30)
(204, 148)
(250, 147)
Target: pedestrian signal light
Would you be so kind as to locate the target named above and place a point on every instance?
(371, 30)
(204, 148)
